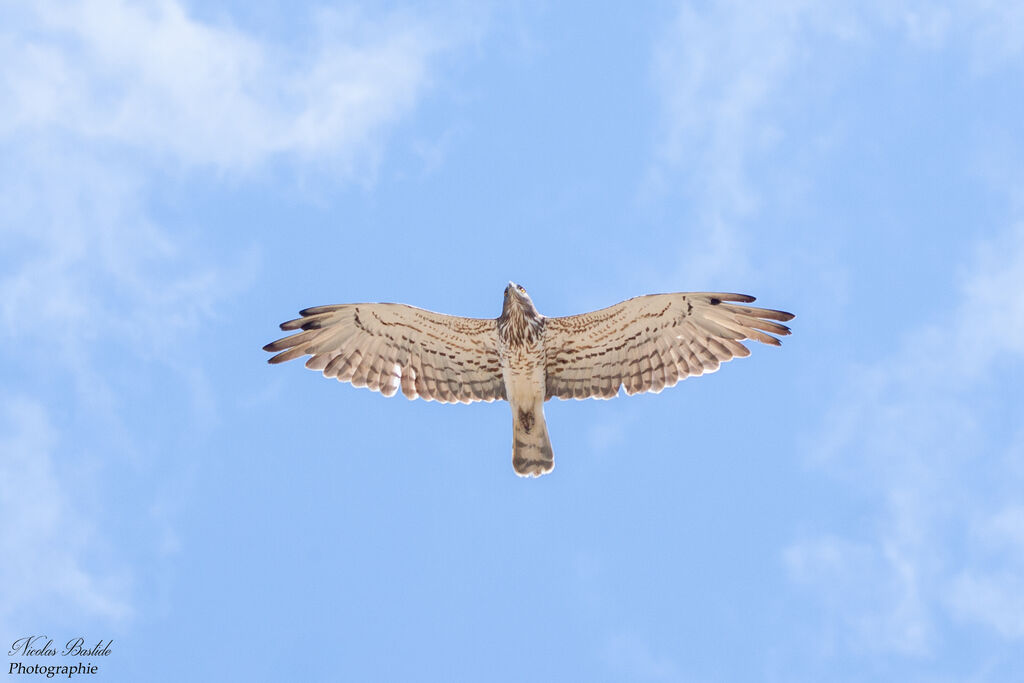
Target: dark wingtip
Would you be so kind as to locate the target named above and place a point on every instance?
(772, 314)
(285, 355)
(279, 345)
(718, 297)
(313, 310)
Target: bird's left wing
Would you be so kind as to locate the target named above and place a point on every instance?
(385, 347)
(651, 342)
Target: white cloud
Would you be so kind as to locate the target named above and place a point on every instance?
(104, 99)
(151, 77)
(44, 537)
(94, 270)
(908, 429)
(99, 88)
(728, 72)
(919, 433)
(993, 599)
(718, 70)
(990, 591)
(847, 574)
(723, 72)
(990, 33)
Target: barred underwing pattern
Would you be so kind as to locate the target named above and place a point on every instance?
(643, 344)
(651, 342)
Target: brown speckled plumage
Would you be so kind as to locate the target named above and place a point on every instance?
(643, 344)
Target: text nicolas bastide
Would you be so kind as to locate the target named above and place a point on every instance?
(31, 647)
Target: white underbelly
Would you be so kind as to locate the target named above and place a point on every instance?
(524, 381)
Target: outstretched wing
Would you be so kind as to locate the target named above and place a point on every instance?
(651, 342)
(386, 346)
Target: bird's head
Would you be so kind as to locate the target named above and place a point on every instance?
(516, 298)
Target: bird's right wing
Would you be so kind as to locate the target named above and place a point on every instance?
(651, 342)
(385, 347)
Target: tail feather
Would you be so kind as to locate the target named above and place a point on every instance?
(531, 448)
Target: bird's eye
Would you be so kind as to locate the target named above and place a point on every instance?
(521, 289)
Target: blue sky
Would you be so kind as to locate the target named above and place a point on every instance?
(178, 178)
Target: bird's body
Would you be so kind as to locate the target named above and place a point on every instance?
(522, 355)
(643, 344)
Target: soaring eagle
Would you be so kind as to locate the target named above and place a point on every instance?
(643, 344)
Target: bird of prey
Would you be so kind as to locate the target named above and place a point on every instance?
(643, 344)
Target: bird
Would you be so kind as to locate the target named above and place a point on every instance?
(643, 344)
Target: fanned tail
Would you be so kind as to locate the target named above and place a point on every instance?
(531, 448)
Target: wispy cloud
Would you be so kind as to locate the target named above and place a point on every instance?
(100, 89)
(848, 576)
(723, 70)
(907, 429)
(720, 69)
(989, 33)
(151, 77)
(728, 72)
(990, 591)
(44, 537)
(918, 433)
(103, 100)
